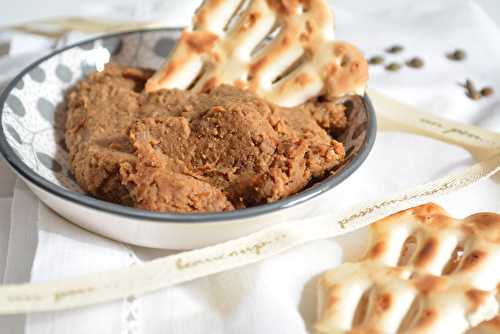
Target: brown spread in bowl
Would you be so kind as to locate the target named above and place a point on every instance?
(178, 151)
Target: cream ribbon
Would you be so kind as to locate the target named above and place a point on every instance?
(186, 266)
(57, 27)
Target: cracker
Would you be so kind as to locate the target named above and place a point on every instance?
(282, 50)
(426, 238)
(491, 326)
(423, 272)
(381, 299)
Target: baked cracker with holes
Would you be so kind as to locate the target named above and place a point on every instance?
(423, 272)
(283, 50)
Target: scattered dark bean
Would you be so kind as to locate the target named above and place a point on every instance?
(415, 62)
(393, 67)
(456, 55)
(4, 49)
(394, 49)
(376, 60)
(487, 91)
(472, 91)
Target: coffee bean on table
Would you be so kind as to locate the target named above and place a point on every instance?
(487, 91)
(457, 55)
(394, 49)
(4, 49)
(376, 60)
(415, 62)
(393, 67)
(471, 90)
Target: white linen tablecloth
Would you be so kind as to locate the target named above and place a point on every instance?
(276, 295)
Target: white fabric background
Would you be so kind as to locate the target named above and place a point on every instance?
(276, 295)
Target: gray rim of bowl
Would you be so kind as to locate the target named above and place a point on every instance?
(86, 200)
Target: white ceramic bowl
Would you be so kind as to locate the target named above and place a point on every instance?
(32, 141)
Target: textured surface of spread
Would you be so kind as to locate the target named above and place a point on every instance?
(179, 151)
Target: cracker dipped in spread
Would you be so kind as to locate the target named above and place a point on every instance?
(182, 141)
